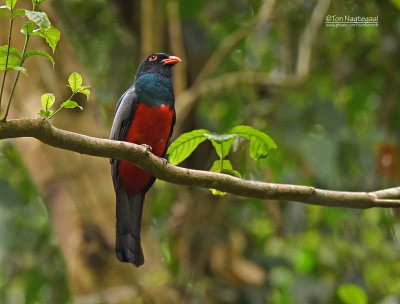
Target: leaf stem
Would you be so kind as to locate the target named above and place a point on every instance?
(16, 79)
(59, 109)
(8, 54)
(220, 158)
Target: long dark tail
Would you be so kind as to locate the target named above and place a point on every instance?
(129, 218)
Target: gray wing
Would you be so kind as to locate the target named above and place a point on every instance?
(125, 110)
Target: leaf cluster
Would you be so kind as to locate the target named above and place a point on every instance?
(260, 145)
(48, 99)
(12, 59)
(39, 25)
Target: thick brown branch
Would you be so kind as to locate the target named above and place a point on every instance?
(48, 134)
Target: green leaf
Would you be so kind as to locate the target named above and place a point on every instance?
(12, 52)
(39, 18)
(28, 28)
(352, 294)
(219, 138)
(70, 104)
(21, 69)
(17, 13)
(260, 143)
(217, 192)
(226, 168)
(52, 36)
(12, 63)
(166, 253)
(222, 143)
(11, 3)
(86, 92)
(35, 3)
(39, 53)
(75, 81)
(44, 113)
(184, 145)
(48, 100)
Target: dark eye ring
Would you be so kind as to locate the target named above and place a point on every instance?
(153, 57)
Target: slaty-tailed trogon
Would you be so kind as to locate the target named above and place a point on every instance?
(145, 114)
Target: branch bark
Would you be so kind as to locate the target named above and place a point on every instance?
(42, 130)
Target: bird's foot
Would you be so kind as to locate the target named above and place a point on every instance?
(164, 160)
(147, 147)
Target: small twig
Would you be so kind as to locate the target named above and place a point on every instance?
(48, 134)
(61, 106)
(8, 54)
(16, 79)
(177, 45)
(308, 36)
(186, 99)
(232, 39)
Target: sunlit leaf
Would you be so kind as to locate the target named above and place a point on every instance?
(11, 3)
(218, 193)
(70, 104)
(12, 52)
(18, 12)
(52, 36)
(12, 63)
(222, 143)
(86, 92)
(352, 294)
(75, 81)
(28, 28)
(35, 3)
(44, 113)
(219, 138)
(260, 143)
(48, 100)
(185, 144)
(39, 53)
(21, 69)
(226, 168)
(39, 18)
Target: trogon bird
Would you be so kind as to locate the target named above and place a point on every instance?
(145, 114)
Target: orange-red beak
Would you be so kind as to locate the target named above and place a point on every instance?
(171, 60)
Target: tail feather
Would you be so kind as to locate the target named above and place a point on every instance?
(129, 218)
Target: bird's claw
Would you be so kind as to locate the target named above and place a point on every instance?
(147, 147)
(165, 161)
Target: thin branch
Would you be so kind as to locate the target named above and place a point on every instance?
(7, 56)
(308, 37)
(232, 39)
(16, 79)
(186, 99)
(177, 45)
(42, 129)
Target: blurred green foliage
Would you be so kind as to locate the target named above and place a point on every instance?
(32, 269)
(337, 130)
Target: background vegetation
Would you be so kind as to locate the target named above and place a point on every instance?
(329, 97)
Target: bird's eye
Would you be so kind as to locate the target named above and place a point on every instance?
(153, 57)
